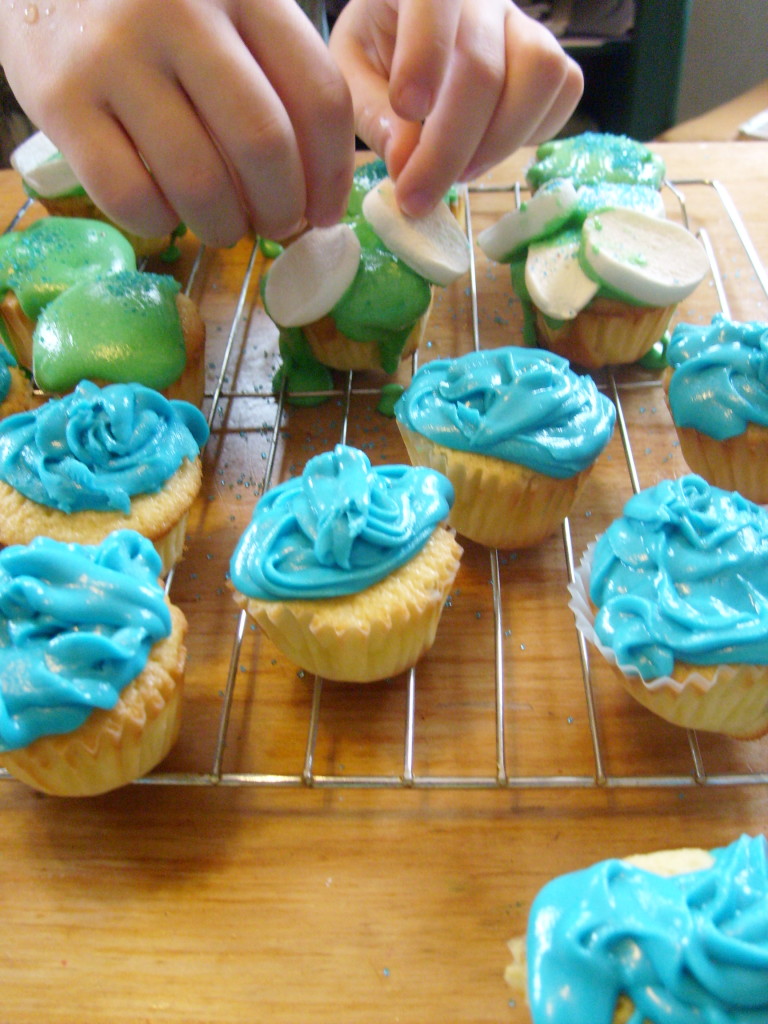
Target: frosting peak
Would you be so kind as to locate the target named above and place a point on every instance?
(340, 527)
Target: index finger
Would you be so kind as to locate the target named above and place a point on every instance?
(425, 40)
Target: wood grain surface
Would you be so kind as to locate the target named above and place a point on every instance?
(297, 858)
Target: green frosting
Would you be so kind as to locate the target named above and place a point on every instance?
(596, 157)
(385, 299)
(120, 328)
(40, 262)
(299, 371)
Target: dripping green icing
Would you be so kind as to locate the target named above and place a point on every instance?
(40, 262)
(120, 328)
(384, 301)
(304, 378)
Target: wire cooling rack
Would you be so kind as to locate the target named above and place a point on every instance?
(503, 770)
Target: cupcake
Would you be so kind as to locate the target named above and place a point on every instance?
(361, 291)
(98, 460)
(595, 157)
(678, 935)
(598, 268)
(16, 392)
(515, 430)
(48, 178)
(127, 327)
(717, 391)
(38, 263)
(674, 594)
(92, 655)
(347, 568)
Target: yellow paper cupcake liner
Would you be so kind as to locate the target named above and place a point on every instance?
(606, 332)
(498, 504)
(112, 748)
(375, 634)
(727, 699)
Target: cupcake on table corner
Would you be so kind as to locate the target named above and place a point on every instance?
(716, 387)
(98, 460)
(666, 937)
(92, 658)
(517, 433)
(598, 268)
(347, 567)
(361, 291)
(48, 178)
(674, 595)
(41, 261)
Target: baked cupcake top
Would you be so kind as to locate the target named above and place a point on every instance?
(719, 381)
(688, 947)
(119, 327)
(521, 405)
(340, 527)
(683, 575)
(38, 263)
(594, 157)
(77, 623)
(97, 447)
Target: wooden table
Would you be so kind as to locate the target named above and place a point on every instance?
(297, 858)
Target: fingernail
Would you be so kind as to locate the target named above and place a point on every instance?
(417, 204)
(414, 102)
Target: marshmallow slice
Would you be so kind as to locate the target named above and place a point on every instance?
(310, 276)
(653, 261)
(43, 167)
(434, 246)
(541, 215)
(554, 278)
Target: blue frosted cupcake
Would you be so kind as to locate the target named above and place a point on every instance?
(347, 567)
(98, 460)
(674, 594)
(515, 430)
(91, 664)
(717, 392)
(674, 935)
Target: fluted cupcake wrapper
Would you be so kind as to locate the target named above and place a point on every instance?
(731, 699)
(372, 635)
(498, 504)
(113, 747)
(605, 333)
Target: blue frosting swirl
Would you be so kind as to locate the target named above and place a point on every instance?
(339, 528)
(683, 575)
(685, 949)
(518, 404)
(77, 623)
(97, 447)
(6, 362)
(719, 383)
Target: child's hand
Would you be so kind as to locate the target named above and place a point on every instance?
(225, 114)
(444, 89)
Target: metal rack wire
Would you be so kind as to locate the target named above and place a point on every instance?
(498, 776)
